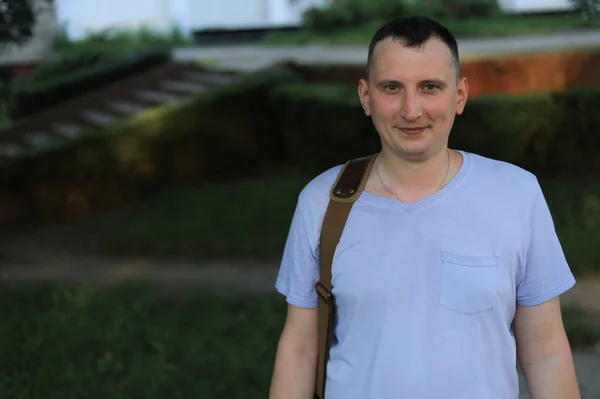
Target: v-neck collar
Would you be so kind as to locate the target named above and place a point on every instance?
(415, 206)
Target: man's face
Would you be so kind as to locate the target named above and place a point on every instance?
(413, 95)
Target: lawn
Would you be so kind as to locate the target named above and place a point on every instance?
(129, 342)
(504, 26)
(241, 220)
(251, 220)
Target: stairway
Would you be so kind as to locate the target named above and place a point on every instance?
(162, 85)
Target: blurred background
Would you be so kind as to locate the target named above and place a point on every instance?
(152, 152)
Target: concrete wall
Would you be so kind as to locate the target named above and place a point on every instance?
(527, 6)
(42, 42)
(79, 17)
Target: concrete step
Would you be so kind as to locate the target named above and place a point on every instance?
(98, 118)
(37, 139)
(208, 78)
(156, 97)
(10, 150)
(126, 108)
(183, 86)
(68, 130)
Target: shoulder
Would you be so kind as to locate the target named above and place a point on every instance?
(314, 196)
(504, 178)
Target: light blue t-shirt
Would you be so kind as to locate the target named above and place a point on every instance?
(426, 293)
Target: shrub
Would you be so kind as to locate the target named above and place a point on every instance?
(216, 135)
(529, 130)
(50, 86)
(459, 9)
(349, 14)
(346, 14)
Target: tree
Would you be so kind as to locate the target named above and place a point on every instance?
(17, 19)
(590, 9)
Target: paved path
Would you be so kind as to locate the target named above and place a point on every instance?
(251, 57)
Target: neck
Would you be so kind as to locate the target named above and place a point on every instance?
(409, 178)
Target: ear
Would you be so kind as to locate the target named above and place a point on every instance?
(461, 95)
(363, 94)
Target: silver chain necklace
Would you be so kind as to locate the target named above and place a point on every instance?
(386, 188)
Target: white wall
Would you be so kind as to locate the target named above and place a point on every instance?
(535, 5)
(207, 14)
(82, 16)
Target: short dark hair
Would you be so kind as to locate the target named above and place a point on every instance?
(414, 31)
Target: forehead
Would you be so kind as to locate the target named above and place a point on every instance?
(391, 56)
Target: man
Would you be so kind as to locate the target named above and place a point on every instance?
(449, 269)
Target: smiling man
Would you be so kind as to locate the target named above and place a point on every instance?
(448, 271)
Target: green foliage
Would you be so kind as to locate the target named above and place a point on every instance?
(245, 220)
(128, 342)
(527, 130)
(274, 118)
(498, 26)
(17, 19)
(112, 40)
(590, 10)
(461, 9)
(63, 65)
(65, 77)
(346, 14)
(217, 135)
(350, 14)
(251, 219)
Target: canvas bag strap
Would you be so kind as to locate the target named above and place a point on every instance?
(348, 186)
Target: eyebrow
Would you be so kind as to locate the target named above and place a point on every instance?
(434, 81)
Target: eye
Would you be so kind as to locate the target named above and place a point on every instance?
(431, 87)
(390, 87)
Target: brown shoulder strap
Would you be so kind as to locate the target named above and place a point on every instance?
(348, 186)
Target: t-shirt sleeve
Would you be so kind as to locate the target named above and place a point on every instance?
(299, 269)
(546, 273)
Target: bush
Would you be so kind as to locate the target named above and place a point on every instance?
(346, 14)
(349, 14)
(212, 137)
(271, 118)
(64, 65)
(528, 130)
(51, 86)
(459, 9)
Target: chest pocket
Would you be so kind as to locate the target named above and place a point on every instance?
(468, 284)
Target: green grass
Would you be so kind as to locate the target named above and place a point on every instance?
(129, 342)
(575, 207)
(5, 120)
(251, 219)
(122, 40)
(505, 26)
(246, 220)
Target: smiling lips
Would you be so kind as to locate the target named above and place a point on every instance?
(412, 131)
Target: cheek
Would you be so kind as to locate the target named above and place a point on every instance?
(440, 109)
(385, 106)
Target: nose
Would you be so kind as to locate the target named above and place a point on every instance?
(410, 107)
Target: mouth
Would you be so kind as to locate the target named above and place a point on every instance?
(412, 131)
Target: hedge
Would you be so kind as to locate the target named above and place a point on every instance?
(211, 137)
(550, 134)
(273, 118)
(52, 88)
